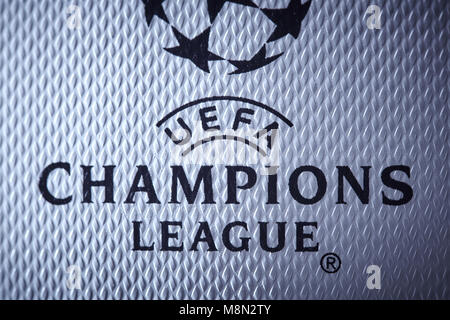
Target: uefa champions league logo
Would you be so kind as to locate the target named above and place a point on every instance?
(284, 22)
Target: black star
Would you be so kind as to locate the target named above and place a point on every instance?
(154, 8)
(195, 49)
(214, 6)
(259, 60)
(288, 20)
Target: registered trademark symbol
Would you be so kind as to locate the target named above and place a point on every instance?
(330, 262)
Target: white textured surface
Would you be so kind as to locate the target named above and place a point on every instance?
(93, 96)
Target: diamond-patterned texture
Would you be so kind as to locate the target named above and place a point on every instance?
(93, 95)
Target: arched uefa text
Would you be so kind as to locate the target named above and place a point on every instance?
(225, 130)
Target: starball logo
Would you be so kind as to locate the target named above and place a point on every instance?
(235, 139)
(197, 48)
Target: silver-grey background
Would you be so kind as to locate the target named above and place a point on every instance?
(93, 95)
